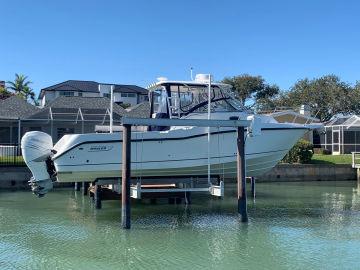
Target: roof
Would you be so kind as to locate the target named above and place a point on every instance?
(130, 89)
(91, 86)
(88, 105)
(141, 110)
(345, 120)
(293, 113)
(15, 107)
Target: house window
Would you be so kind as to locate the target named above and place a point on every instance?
(67, 93)
(107, 95)
(62, 131)
(80, 94)
(131, 95)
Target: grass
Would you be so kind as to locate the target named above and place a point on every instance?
(11, 161)
(331, 159)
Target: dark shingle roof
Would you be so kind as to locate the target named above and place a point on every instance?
(141, 110)
(91, 86)
(130, 89)
(89, 105)
(15, 107)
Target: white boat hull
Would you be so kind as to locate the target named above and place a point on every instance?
(180, 152)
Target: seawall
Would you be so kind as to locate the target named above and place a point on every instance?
(309, 172)
(18, 177)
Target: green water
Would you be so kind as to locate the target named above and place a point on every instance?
(291, 226)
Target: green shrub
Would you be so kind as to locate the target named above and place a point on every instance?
(301, 152)
(321, 151)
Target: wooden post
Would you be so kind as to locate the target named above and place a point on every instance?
(126, 177)
(97, 196)
(253, 190)
(85, 187)
(241, 180)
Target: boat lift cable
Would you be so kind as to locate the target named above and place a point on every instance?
(141, 155)
(209, 117)
(218, 147)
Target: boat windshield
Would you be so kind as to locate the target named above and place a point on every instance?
(194, 98)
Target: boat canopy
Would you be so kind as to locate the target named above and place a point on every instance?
(175, 99)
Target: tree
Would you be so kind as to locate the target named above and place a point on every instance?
(4, 94)
(251, 87)
(21, 87)
(326, 96)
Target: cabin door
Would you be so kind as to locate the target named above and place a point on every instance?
(336, 142)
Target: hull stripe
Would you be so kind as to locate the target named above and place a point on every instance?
(172, 160)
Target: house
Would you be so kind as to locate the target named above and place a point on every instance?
(64, 115)
(75, 114)
(341, 134)
(12, 110)
(123, 94)
(141, 110)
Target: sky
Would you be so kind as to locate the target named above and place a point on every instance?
(134, 42)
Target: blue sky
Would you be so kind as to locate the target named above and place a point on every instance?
(134, 42)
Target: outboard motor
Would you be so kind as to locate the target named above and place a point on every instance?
(36, 148)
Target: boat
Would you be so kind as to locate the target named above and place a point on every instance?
(166, 151)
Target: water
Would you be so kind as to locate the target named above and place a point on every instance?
(291, 226)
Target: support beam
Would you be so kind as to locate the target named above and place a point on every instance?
(126, 177)
(241, 180)
(97, 197)
(253, 188)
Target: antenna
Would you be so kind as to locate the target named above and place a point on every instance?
(191, 73)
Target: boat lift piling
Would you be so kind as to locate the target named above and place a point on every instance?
(126, 177)
(217, 191)
(241, 178)
(85, 188)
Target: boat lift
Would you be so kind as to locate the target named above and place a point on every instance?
(135, 191)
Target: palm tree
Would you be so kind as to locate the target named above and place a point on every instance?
(21, 87)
